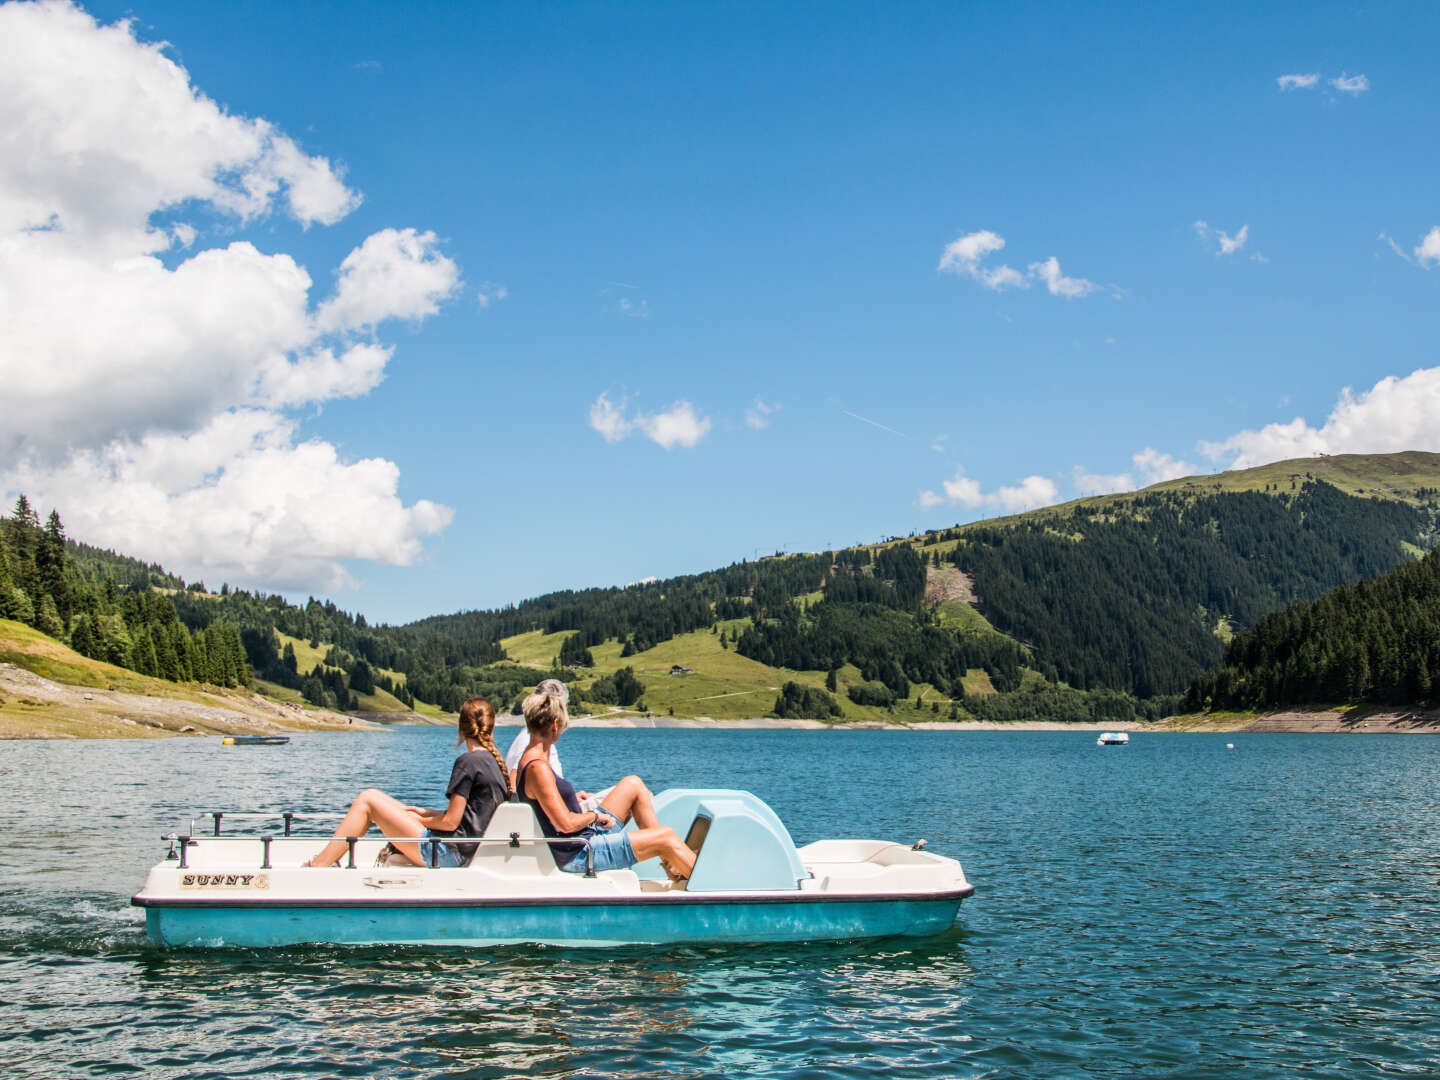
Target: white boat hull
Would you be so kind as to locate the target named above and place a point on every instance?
(512, 891)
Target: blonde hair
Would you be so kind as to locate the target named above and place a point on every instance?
(477, 722)
(544, 711)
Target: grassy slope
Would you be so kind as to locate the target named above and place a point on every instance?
(22, 715)
(28, 648)
(382, 701)
(536, 648)
(1388, 476)
(722, 684)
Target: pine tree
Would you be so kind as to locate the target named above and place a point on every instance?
(47, 618)
(167, 664)
(142, 654)
(180, 641)
(22, 533)
(9, 598)
(50, 564)
(82, 637)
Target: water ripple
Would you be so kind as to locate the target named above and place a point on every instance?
(1169, 910)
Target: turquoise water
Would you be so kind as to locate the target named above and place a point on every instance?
(1166, 909)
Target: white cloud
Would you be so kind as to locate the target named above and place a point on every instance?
(1396, 248)
(1088, 483)
(144, 400)
(394, 274)
(1351, 84)
(1058, 284)
(239, 500)
(490, 293)
(1153, 468)
(678, 425)
(938, 445)
(758, 415)
(1298, 82)
(1225, 243)
(1428, 250)
(1031, 492)
(1395, 414)
(633, 309)
(966, 255)
(321, 375)
(1156, 467)
(961, 490)
(609, 419)
(99, 131)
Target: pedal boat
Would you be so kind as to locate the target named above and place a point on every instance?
(750, 884)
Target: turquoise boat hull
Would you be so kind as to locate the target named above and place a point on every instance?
(659, 922)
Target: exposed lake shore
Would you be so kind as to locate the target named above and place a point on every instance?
(34, 707)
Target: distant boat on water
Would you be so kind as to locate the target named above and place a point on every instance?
(1113, 738)
(255, 740)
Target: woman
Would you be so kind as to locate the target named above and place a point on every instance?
(559, 811)
(478, 784)
(588, 801)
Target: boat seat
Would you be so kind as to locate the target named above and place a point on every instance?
(516, 819)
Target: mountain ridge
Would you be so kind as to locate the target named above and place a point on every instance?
(1142, 586)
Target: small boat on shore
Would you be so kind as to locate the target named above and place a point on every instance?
(1113, 738)
(750, 884)
(255, 740)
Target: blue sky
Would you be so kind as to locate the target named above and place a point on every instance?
(758, 246)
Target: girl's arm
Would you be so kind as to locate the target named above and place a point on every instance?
(441, 820)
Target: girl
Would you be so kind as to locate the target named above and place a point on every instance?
(478, 784)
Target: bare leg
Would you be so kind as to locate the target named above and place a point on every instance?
(373, 807)
(630, 798)
(677, 859)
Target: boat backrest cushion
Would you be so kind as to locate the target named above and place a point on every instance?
(517, 818)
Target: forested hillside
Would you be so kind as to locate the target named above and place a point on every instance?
(104, 607)
(1133, 602)
(1104, 609)
(1372, 641)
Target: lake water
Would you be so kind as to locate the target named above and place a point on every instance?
(1167, 909)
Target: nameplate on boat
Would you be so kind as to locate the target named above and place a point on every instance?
(392, 882)
(224, 881)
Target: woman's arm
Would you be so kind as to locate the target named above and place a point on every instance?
(540, 784)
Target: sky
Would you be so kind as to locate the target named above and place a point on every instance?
(431, 307)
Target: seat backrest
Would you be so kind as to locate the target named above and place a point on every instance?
(516, 819)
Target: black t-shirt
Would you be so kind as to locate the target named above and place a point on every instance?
(477, 778)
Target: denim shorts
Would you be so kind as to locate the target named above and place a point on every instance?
(611, 847)
(444, 854)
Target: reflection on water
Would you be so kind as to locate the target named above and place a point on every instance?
(539, 1012)
(1170, 910)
